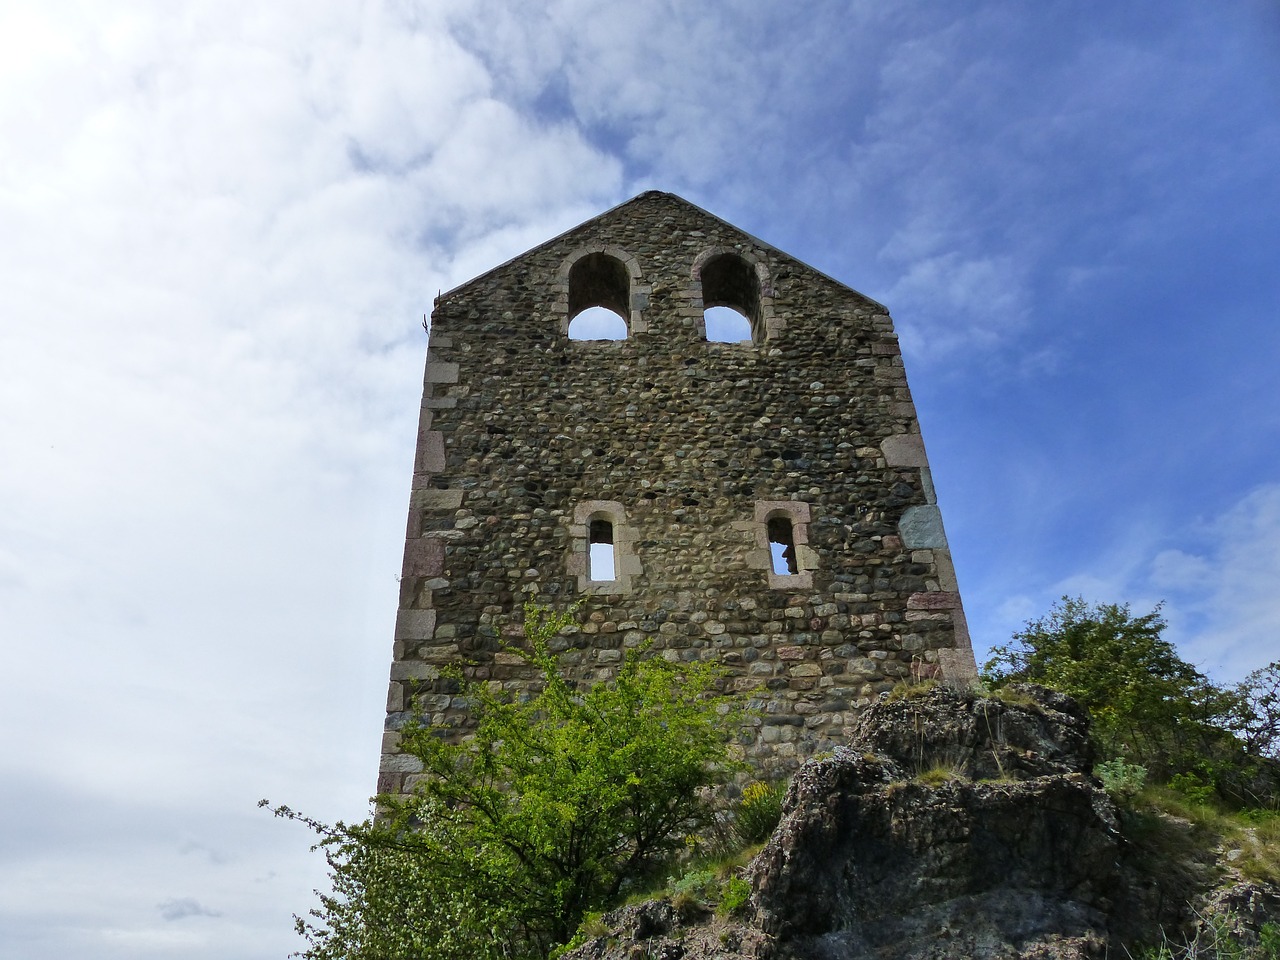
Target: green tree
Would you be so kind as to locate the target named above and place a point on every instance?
(551, 809)
(1148, 705)
(1255, 717)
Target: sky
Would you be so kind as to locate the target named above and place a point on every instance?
(222, 223)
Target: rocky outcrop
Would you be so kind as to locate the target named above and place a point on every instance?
(952, 826)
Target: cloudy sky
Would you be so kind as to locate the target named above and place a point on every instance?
(221, 225)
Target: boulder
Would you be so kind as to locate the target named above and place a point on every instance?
(952, 825)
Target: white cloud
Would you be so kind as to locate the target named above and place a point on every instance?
(957, 302)
(222, 225)
(1223, 586)
(1217, 584)
(222, 228)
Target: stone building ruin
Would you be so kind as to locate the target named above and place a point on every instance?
(766, 504)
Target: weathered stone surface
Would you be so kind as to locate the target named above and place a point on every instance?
(689, 449)
(921, 526)
(1041, 734)
(873, 860)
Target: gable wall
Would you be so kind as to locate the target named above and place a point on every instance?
(522, 429)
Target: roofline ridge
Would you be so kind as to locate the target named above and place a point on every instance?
(639, 196)
(546, 243)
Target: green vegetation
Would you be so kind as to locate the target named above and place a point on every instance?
(912, 689)
(564, 804)
(556, 807)
(733, 896)
(940, 773)
(1123, 781)
(711, 887)
(1176, 834)
(757, 812)
(1220, 938)
(1150, 707)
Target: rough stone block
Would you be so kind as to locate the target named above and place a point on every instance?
(921, 527)
(438, 372)
(415, 624)
(436, 499)
(904, 450)
(400, 763)
(423, 557)
(414, 670)
(933, 601)
(946, 571)
(430, 457)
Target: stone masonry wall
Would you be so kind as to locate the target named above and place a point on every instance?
(524, 433)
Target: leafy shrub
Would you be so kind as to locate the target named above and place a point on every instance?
(555, 805)
(733, 896)
(1192, 787)
(1146, 703)
(700, 884)
(757, 812)
(1122, 781)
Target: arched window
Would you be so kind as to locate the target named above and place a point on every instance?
(599, 298)
(782, 546)
(730, 281)
(602, 552)
(601, 562)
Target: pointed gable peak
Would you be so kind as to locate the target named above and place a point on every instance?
(634, 229)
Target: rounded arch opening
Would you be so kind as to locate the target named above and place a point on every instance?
(782, 544)
(730, 281)
(600, 280)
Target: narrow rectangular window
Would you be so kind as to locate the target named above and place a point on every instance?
(782, 547)
(601, 557)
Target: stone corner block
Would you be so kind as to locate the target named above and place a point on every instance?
(441, 372)
(921, 526)
(430, 458)
(904, 450)
(436, 499)
(957, 664)
(415, 624)
(399, 763)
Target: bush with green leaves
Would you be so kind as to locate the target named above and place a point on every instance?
(1147, 704)
(734, 895)
(757, 811)
(1122, 781)
(556, 805)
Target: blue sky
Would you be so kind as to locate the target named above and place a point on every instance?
(223, 222)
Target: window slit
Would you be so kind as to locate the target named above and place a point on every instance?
(782, 547)
(602, 564)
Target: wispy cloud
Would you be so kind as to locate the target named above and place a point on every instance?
(1222, 585)
(183, 908)
(223, 223)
